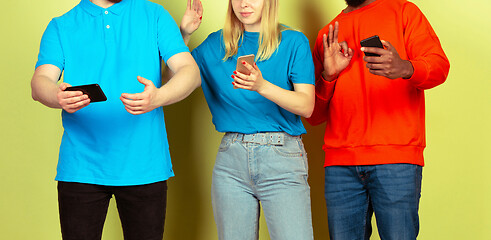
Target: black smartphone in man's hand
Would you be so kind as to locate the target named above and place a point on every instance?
(94, 92)
(373, 41)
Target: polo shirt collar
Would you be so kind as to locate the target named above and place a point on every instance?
(95, 10)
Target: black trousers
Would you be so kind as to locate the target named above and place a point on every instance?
(83, 209)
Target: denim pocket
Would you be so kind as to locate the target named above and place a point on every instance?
(225, 144)
(293, 147)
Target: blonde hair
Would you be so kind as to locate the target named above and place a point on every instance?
(269, 35)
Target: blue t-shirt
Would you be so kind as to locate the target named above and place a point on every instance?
(103, 143)
(245, 111)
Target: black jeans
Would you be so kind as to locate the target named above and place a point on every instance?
(83, 209)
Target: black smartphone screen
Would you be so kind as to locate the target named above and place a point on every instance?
(94, 92)
(373, 41)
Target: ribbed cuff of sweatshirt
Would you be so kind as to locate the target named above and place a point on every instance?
(324, 88)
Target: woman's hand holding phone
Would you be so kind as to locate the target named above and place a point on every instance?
(253, 81)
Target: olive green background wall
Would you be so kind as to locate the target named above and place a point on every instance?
(456, 195)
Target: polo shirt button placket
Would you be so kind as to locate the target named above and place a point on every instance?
(109, 37)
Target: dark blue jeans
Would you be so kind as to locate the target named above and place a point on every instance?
(83, 209)
(354, 193)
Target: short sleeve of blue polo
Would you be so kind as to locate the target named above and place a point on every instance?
(244, 111)
(103, 143)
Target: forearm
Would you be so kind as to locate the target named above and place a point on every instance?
(324, 91)
(298, 102)
(181, 85)
(429, 72)
(168, 74)
(44, 90)
(186, 37)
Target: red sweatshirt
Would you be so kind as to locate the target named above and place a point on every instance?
(372, 119)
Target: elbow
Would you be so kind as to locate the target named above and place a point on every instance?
(197, 78)
(446, 70)
(307, 115)
(36, 87)
(34, 95)
(308, 107)
(307, 111)
(441, 73)
(427, 76)
(318, 116)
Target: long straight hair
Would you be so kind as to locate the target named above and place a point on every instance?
(269, 34)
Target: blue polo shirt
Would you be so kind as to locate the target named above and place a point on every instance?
(103, 143)
(244, 111)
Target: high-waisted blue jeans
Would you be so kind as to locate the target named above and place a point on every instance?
(267, 169)
(391, 191)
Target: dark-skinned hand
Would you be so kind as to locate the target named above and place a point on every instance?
(389, 64)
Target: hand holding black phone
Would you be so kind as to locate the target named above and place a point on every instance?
(373, 41)
(93, 91)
